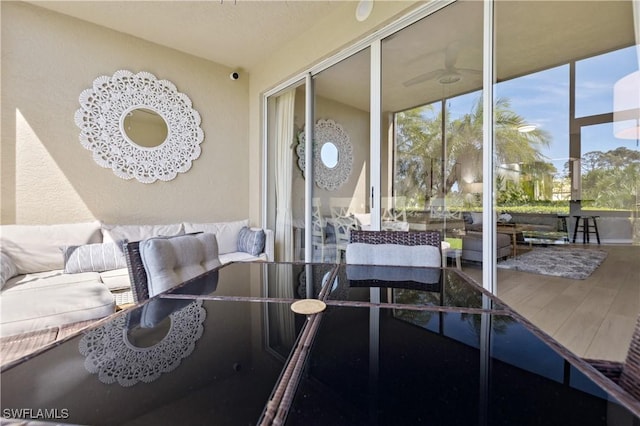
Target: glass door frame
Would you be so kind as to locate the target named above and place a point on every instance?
(373, 41)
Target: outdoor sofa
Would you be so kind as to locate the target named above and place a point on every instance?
(55, 275)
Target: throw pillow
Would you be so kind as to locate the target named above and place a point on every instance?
(476, 217)
(251, 241)
(7, 268)
(94, 257)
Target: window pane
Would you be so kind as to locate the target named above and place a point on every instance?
(595, 79)
(610, 170)
(532, 141)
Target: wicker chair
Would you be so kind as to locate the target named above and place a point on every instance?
(405, 238)
(143, 287)
(137, 274)
(626, 374)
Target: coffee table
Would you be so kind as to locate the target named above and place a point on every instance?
(512, 230)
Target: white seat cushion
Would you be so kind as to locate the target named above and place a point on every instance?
(393, 254)
(240, 256)
(172, 261)
(116, 279)
(51, 299)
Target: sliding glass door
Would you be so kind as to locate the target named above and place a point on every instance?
(432, 119)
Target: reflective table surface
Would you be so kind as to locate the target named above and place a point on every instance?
(394, 346)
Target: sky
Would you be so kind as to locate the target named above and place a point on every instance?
(543, 99)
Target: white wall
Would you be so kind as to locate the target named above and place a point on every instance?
(48, 59)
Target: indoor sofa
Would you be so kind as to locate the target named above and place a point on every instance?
(55, 275)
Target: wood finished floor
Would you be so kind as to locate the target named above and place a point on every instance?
(594, 317)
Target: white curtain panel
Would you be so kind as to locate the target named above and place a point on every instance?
(284, 169)
(285, 104)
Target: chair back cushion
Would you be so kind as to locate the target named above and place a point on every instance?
(169, 262)
(393, 254)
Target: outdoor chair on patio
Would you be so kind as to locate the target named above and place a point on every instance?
(161, 263)
(395, 248)
(625, 374)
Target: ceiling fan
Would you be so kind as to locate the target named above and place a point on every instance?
(450, 73)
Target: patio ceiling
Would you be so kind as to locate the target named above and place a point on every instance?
(240, 34)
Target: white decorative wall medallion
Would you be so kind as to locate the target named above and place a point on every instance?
(139, 126)
(111, 354)
(332, 154)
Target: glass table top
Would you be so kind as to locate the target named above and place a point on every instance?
(227, 349)
(435, 287)
(259, 280)
(381, 366)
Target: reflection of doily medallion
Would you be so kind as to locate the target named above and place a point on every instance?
(110, 354)
(112, 98)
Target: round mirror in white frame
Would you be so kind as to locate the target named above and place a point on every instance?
(332, 154)
(144, 127)
(103, 109)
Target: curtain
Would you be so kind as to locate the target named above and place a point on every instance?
(283, 174)
(284, 130)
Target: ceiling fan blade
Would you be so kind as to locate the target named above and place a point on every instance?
(423, 77)
(451, 54)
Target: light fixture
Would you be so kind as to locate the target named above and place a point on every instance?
(526, 128)
(450, 77)
(626, 107)
(363, 10)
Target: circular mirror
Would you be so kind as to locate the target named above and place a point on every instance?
(139, 126)
(145, 127)
(142, 338)
(329, 155)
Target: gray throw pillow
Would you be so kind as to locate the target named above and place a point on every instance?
(94, 257)
(251, 241)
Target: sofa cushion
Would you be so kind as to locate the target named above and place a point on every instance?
(226, 233)
(94, 257)
(7, 268)
(393, 254)
(251, 241)
(116, 279)
(112, 233)
(240, 256)
(172, 261)
(51, 299)
(36, 248)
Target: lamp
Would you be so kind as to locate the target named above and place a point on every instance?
(626, 107)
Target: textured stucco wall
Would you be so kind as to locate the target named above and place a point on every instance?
(48, 59)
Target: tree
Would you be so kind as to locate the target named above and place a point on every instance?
(424, 169)
(611, 179)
